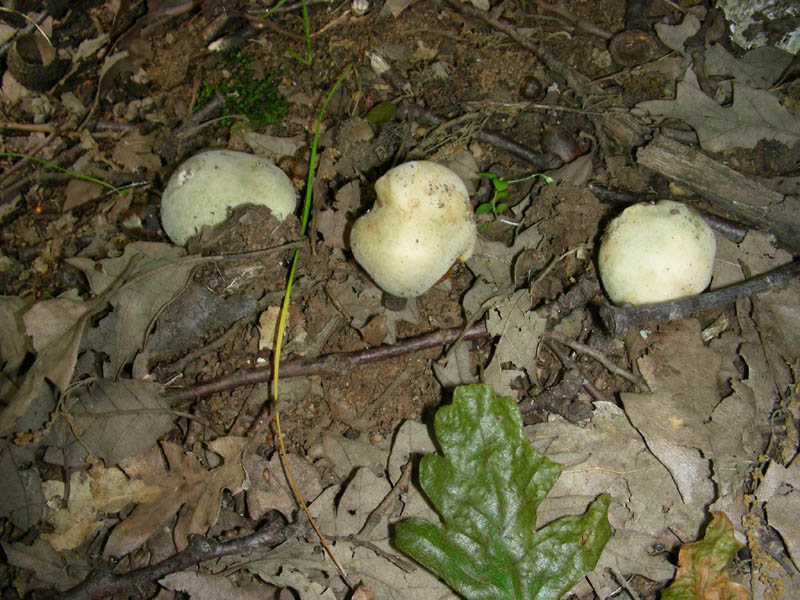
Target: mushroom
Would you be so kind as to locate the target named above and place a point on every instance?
(205, 186)
(656, 252)
(421, 225)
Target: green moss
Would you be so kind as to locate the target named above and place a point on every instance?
(246, 94)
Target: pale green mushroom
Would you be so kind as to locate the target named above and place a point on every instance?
(656, 252)
(206, 186)
(421, 225)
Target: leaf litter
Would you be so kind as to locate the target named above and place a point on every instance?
(695, 441)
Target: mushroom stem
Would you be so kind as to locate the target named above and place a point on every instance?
(619, 319)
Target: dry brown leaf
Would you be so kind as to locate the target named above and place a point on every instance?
(262, 143)
(361, 300)
(363, 592)
(343, 514)
(780, 491)
(492, 263)
(151, 275)
(201, 586)
(346, 455)
(134, 152)
(269, 488)
(608, 455)
(22, 500)
(755, 115)
(520, 331)
(79, 192)
(99, 490)
(186, 484)
(115, 420)
(388, 581)
(333, 223)
(62, 570)
(14, 344)
(56, 328)
(684, 421)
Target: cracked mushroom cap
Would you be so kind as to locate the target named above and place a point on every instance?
(655, 253)
(421, 225)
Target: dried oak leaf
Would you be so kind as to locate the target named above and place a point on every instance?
(755, 115)
(186, 484)
(703, 566)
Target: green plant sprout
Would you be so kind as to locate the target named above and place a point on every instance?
(305, 60)
(312, 162)
(500, 186)
(245, 94)
(74, 174)
(487, 484)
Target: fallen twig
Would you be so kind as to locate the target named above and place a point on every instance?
(619, 319)
(580, 25)
(330, 364)
(388, 501)
(537, 160)
(101, 584)
(730, 229)
(598, 356)
(578, 295)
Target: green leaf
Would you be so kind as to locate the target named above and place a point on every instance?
(703, 566)
(483, 208)
(498, 183)
(487, 487)
(501, 207)
(380, 114)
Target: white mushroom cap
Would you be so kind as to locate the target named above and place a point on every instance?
(421, 224)
(656, 252)
(204, 187)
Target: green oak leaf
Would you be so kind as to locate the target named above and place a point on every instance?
(487, 487)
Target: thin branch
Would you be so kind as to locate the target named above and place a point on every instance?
(559, 337)
(579, 82)
(329, 364)
(376, 515)
(101, 584)
(578, 295)
(537, 160)
(619, 319)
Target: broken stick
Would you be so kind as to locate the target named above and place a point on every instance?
(738, 197)
(619, 319)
